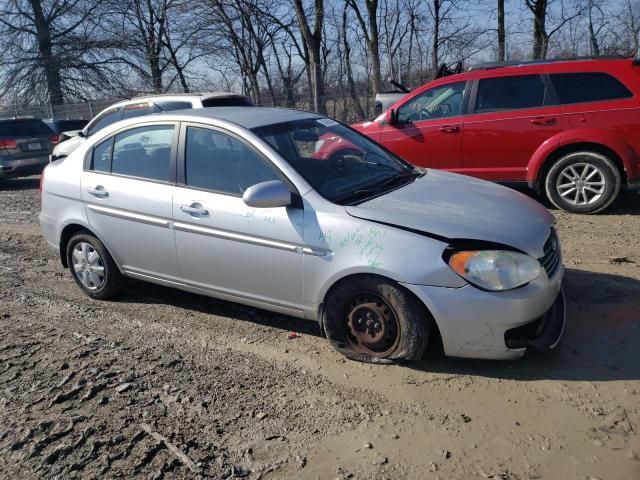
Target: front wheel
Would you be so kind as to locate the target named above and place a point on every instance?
(583, 182)
(372, 319)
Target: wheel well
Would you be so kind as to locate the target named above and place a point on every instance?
(577, 147)
(68, 232)
(435, 339)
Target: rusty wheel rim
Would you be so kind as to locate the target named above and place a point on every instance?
(372, 325)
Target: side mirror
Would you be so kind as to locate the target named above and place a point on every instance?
(267, 195)
(82, 134)
(391, 117)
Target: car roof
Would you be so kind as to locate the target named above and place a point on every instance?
(202, 96)
(246, 117)
(490, 70)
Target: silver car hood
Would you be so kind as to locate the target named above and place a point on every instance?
(463, 208)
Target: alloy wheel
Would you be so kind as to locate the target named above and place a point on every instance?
(581, 184)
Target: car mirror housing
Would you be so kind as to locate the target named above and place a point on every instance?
(270, 194)
(391, 117)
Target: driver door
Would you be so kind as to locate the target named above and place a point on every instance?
(428, 132)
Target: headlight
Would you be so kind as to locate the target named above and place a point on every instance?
(495, 269)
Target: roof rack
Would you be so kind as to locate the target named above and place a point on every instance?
(524, 63)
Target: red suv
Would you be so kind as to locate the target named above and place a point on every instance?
(567, 128)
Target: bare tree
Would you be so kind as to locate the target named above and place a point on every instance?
(540, 11)
(49, 47)
(313, 43)
(501, 32)
(371, 34)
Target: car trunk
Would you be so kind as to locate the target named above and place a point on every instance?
(25, 138)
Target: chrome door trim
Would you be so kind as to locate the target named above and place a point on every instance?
(238, 237)
(126, 215)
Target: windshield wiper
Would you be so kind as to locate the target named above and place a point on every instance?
(392, 181)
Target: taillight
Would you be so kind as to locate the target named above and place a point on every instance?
(8, 144)
(54, 139)
(41, 183)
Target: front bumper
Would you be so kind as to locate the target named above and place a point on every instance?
(23, 167)
(474, 323)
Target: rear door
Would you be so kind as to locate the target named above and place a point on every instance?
(510, 117)
(428, 131)
(127, 186)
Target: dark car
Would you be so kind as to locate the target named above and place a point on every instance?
(25, 144)
(59, 126)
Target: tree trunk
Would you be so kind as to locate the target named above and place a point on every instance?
(436, 35)
(313, 42)
(353, 92)
(502, 48)
(540, 37)
(49, 61)
(595, 47)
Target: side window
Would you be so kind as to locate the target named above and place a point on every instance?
(216, 161)
(169, 105)
(587, 87)
(510, 93)
(105, 120)
(101, 160)
(438, 102)
(138, 110)
(144, 152)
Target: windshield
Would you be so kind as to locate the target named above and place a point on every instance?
(342, 165)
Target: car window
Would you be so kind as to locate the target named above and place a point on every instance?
(104, 120)
(438, 102)
(510, 93)
(219, 162)
(587, 87)
(169, 105)
(101, 160)
(227, 102)
(144, 152)
(139, 109)
(23, 128)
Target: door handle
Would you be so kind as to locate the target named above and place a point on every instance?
(99, 191)
(450, 129)
(194, 209)
(543, 120)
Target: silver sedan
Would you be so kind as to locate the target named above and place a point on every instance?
(296, 213)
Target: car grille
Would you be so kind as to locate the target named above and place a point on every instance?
(551, 259)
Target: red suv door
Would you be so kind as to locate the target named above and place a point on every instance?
(428, 128)
(509, 118)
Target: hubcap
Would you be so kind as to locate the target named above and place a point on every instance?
(88, 266)
(372, 326)
(581, 184)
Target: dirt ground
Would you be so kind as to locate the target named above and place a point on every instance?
(165, 384)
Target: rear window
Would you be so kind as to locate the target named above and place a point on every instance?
(587, 87)
(23, 128)
(60, 126)
(227, 102)
(170, 105)
(510, 93)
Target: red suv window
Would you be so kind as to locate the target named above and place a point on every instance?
(587, 87)
(510, 93)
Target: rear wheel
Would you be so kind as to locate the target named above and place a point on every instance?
(92, 267)
(374, 320)
(583, 182)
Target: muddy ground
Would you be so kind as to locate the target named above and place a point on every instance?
(164, 384)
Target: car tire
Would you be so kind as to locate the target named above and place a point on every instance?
(583, 182)
(372, 319)
(92, 267)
